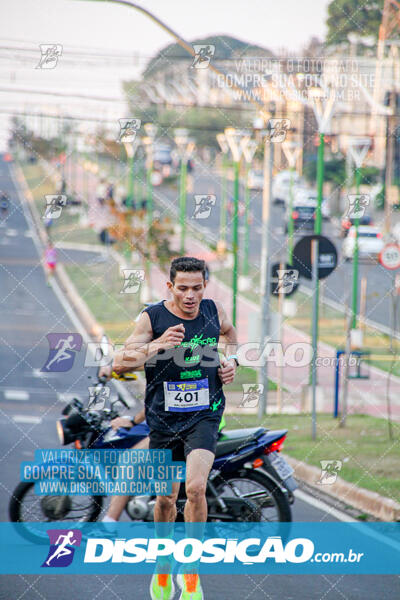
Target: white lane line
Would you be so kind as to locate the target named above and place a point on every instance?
(65, 397)
(320, 505)
(28, 419)
(20, 395)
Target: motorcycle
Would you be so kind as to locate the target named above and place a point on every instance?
(249, 480)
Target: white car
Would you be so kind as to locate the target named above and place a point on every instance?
(281, 185)
(255, 180)
(370, 242)
(307, 195)
(396, 232)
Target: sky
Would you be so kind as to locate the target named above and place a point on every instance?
(287, 23)
(104, 28)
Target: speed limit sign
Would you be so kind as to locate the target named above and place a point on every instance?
(389, 256)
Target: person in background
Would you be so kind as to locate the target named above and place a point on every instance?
(4, 204)
(50, 258)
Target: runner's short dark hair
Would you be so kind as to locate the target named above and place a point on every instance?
(187, 264)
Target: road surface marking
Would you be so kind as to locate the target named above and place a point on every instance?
(28, 419)
(20, 395)
(66, 396)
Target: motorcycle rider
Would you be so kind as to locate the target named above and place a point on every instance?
(173, 340)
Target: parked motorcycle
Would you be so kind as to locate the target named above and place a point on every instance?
(249, 480)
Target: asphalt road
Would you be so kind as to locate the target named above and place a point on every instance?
(30, 403)
(337, 285)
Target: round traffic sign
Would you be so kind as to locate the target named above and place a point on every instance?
(389, 256)
(327, 256)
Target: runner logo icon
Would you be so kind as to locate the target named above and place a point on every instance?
(62, 351)
(61, 551)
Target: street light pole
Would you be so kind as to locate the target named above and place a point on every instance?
(265, 263)
(130, 148)
(233, 137)
(185, 149)
(357, 148)
(249, 148)
(151, 131)
(292, 151)
(323, 113)
(223, 144)
(148, 141)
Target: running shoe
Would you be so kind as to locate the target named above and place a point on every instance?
(162, 587)
(190, 586)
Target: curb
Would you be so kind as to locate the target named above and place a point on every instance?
(371, 503)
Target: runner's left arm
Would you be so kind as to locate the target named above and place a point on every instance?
(227, 332)
(227, 370)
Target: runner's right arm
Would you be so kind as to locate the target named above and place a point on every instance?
(140, 346)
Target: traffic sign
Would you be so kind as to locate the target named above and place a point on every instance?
(327, 256)
(389, 256)
(287, 283)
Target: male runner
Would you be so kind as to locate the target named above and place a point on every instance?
(176, 340)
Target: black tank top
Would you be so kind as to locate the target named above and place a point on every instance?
(195, 359)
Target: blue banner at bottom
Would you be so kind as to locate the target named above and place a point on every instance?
(219, 548)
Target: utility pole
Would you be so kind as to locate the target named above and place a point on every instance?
(233, 137)
(323, 109)
(249, 147)
(357, 149)
(390, 129)
(292, 151)
(265, 262)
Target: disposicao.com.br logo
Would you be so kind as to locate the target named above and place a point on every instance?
(214, 550)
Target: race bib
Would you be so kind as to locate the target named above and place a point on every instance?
(186, 396)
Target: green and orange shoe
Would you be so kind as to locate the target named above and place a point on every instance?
(162, 587)
(190, 586)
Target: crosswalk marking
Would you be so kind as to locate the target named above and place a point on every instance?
(20, 395)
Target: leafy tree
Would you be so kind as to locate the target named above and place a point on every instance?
(353, 16)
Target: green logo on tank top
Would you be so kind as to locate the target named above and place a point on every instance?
(198, 340)
(215, 404)
(190, 374)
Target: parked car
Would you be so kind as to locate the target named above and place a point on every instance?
(162, 155)
(281, 185)
(303, 216)
(370, 242)
(346, 222)
(396, 232)
(255, 180)
(309, 195)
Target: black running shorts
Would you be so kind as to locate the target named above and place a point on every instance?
(201, 435)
